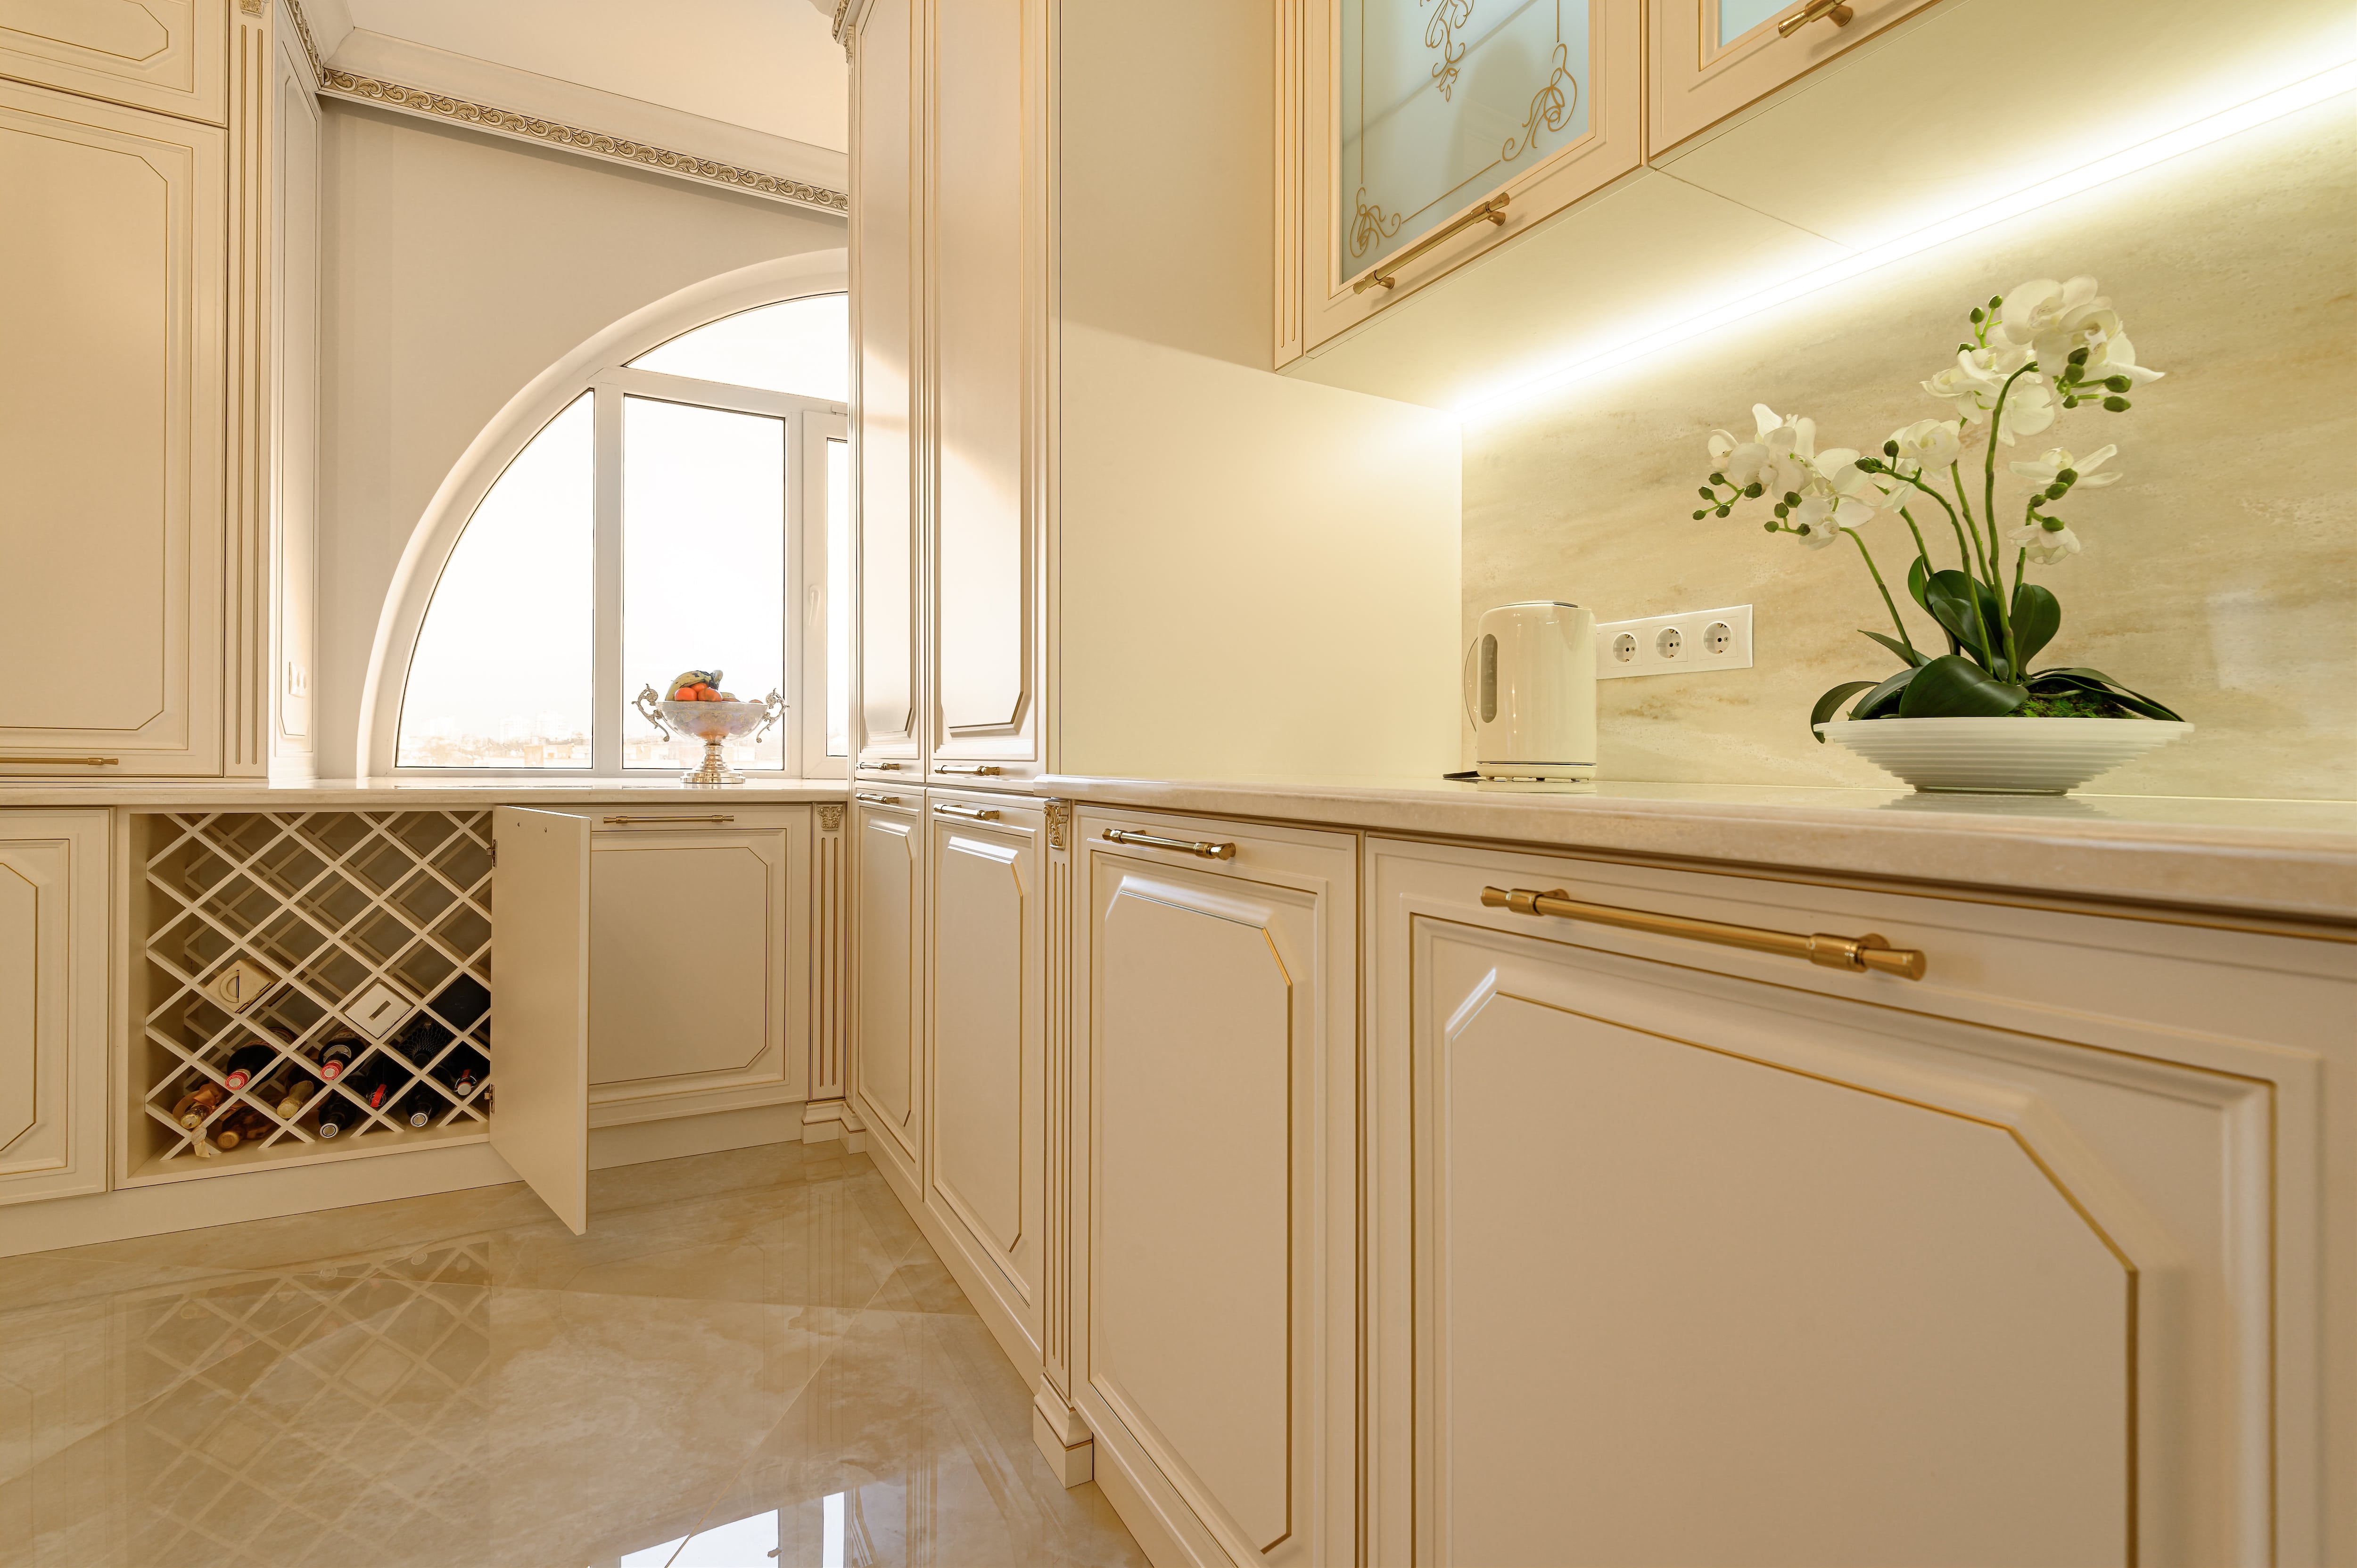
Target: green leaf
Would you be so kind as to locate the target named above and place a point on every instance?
(1830, 701)
(1953, 686)
(2036, 617)
(1883, 700)
(1907, 655)
(1964, 607)
(2134, 701)
(1918, 572)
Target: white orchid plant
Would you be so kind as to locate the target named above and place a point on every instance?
(2043, 350)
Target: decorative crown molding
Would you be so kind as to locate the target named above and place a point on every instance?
(361, 89)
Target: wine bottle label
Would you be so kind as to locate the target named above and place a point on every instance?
(331, 1070)
(329, 1129)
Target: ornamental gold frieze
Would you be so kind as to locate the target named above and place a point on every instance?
(418, 101)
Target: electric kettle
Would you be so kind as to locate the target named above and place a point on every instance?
(1530, 690)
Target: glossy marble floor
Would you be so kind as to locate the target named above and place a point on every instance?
(749, 1350)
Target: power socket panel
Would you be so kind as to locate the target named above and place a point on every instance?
(1688, 644)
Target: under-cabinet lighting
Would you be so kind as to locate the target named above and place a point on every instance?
(2201, 133)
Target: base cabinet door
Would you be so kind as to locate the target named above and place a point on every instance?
(699, 962)
(1684, 1255)
(1214, 1176)
(888, 933)
(987, 1062)
(53, 991)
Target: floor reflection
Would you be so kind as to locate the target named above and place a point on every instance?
(752, 1359)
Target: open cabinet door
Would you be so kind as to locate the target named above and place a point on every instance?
(540, 1005)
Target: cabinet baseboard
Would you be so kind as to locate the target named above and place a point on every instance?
(676, 1137)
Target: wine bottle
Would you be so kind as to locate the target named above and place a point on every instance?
(199, 1103)
(421, 1039)
(336, 1054)
(242, 1126)
(244, 1062)
(418, 1110)
(462, 1072)
(338, 1116)
(296, 1094)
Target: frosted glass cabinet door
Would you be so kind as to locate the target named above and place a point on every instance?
(1710, 58)
(112, 247)
(1415, 113)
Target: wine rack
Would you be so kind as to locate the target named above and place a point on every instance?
(335, 909)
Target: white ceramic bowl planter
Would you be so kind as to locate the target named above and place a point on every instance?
(2004, 755)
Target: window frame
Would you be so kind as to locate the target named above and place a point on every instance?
(600, 367)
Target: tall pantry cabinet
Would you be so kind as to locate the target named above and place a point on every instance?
(154, 416)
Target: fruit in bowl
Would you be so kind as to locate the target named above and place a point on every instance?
(700, 709)
(698, 686)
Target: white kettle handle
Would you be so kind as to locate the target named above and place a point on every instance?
(1466, 681)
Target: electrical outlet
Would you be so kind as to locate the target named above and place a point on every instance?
(1691, 643)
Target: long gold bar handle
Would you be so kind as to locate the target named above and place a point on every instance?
(1189, 846)
(971, 813)
(711, 818)
(1855, 954)
(68, 761)
(1387, 275)
(877, 800)
(979, 770)
(1832, 11)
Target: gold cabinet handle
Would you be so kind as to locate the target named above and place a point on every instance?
(1832, 11)
(1854, 953)
(873, 799)
(885, 767)
(67, 761)
(978, 769)
(1387, 275)
(972, 814)
(1188, 846)
(715, 818)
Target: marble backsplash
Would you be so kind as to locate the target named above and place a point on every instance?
(2220, 575)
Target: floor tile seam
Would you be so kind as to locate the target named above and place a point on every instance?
(681, 1300)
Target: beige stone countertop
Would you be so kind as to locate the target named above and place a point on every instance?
(2294, 860)
(391, 794)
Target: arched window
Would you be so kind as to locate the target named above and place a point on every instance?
(688, 510)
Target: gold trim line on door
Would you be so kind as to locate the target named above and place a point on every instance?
(715, 818)
(1189, 846)
(1387, 275)
(1832, 11)
(1858, 954)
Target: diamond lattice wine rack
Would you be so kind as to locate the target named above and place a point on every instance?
(280, 945)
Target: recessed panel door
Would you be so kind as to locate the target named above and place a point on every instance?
(540, 1009)
(683, 960)
(988, 1055)
(886, 146)
(165, 55)
(53, 988)
(889, 937)
(111, 438)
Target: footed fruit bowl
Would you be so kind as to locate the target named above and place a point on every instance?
(710, 719)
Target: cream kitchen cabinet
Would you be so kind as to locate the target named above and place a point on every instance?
(163, 54)
(985, 1064)
(886, 327)
(54, 939)
(1420, 136)
(1213, 1175)
(1683, 1254)
(159, 298)
(1707, 60)
(950, 297)
(647, 962)
(887, 987)
(113, 432)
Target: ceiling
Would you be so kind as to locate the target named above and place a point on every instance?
(768, 64)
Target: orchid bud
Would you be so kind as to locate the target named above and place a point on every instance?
(1722, 512)
(1978, 312)
(1995, 300)
(2067, 477)
(2079, 355)
(1754, 489)
(1791, 497)
(1769, 526)
(1782, 508)
(2057, 490)
(2117, 404)
(1697, 516)
(2118, 383)
(2070, 402)
(1890, 448)
(2052, 524)
(1705, 492)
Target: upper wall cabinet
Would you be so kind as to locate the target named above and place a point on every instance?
(885, 324)
(111, 437)
(1431, 131)
(165, 55)
(1711, 59)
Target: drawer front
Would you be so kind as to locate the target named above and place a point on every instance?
(1725, 1239)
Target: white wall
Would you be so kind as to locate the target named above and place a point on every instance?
(457, 267)
(1257, 576)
